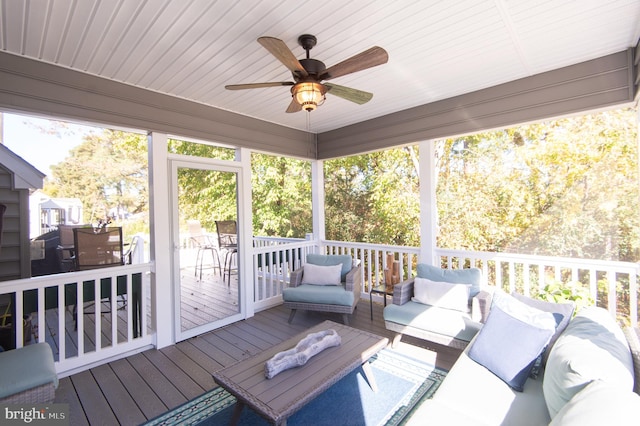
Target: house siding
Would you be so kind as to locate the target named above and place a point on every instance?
(32, 86)
(38, 87)
(14, 254)
(596, 84)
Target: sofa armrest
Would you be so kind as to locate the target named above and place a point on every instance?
(295, 278)
(480, 306)
(403, 292)
(353, 281)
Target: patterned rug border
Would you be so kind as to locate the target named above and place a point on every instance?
(216, 400)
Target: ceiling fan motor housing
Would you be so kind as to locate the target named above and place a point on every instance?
(313, 66)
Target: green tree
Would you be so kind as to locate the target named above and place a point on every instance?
(567, 187)
(373, 197)
(281, 196)
(106, 171)
(205, 195)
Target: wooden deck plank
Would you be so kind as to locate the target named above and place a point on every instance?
(187, 385)
(242, 330)
(66, 394)
(268, 334)
(216, 341)
(269, 327)
(97, 408)
(215, 353)
(201, 358)
(146, 399)
(193, 370)
(247, 347)
(121, 402)
(161, 385)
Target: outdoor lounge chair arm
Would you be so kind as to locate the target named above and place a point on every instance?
(353, 281)
(403, 292)
(480, 306)
(295, 278)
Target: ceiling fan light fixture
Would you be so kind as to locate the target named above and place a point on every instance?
(309, 95)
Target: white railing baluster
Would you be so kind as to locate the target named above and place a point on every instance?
(97, 293)
(17, 321)
(611, 297)
(51, 320)
(633, 298)
(41, 320)
(62, 331)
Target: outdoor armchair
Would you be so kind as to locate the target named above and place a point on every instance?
(444, 306)
(325, 283)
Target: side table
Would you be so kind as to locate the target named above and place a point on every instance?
(379, 289)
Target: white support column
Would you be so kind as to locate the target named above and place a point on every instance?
(161, 251)
(317, 200)
(428, 206)
(245, 223)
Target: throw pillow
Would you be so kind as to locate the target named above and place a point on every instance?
(511, 340)
(332, 259)
(471, 276)
(321, 275)
(442, 295)
(562, 312)
(600, 403)
(592, 347)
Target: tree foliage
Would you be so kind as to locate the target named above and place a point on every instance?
(281, 196)
(107, 172)
(373, 198)
(567, 187)
(205, 195)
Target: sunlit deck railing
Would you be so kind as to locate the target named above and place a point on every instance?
(611, 284)
(49, 301)
(78, 340)
(273, 261)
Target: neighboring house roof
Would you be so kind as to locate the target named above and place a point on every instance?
(25, 176)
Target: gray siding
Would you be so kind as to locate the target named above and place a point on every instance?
(15, 261)
(600, 83)
(37, 87)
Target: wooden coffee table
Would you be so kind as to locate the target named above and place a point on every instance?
(278, 398)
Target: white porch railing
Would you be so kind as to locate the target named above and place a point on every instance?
(611, 284)
(50, 300)
(79, 341)
(273, 261)
(608, 282)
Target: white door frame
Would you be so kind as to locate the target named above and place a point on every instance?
(244, 281)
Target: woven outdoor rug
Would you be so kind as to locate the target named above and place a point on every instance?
(402, 383)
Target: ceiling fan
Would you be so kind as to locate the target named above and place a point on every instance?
(307, 90)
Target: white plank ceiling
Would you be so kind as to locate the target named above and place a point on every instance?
(437, 49)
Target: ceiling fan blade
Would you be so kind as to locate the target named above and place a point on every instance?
(363, 60)
(294, 106)
(354, 95)
(258, 85)
(279, 49)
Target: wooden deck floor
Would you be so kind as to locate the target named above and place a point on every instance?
(132, 390)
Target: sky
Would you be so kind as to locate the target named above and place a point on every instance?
(33, 139)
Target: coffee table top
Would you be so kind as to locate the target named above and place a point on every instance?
(280, 397)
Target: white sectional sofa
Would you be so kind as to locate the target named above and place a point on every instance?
(588, 379)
